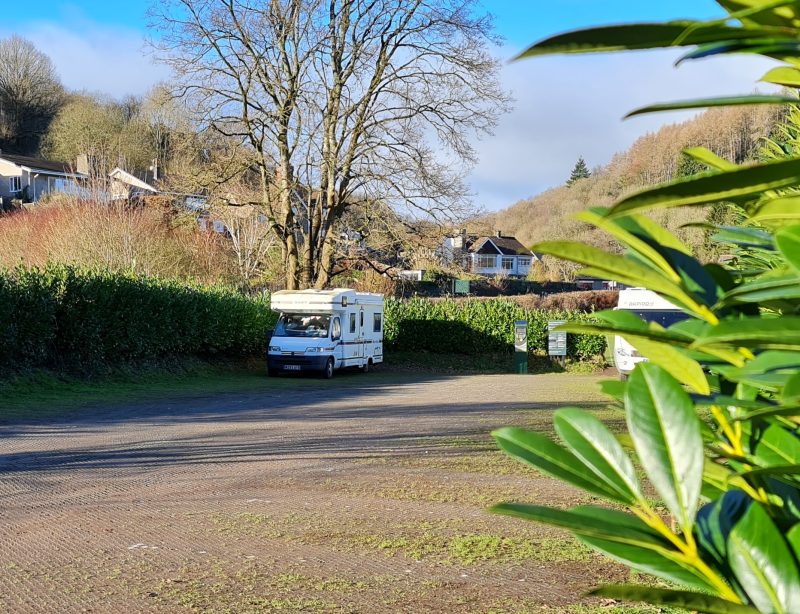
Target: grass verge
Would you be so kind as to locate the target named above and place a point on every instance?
(43, 394)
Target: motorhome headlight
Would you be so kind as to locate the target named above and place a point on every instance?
(274, 348)
(313, 350)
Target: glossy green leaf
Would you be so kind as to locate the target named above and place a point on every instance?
(621, 536)
(589, 520)
(776, 446)
(613, 388)
(720, 477)
(709, 158)
(788, 242)
(641, 36)
(777, 47)
(674, 361)
(771, 368)
(793, 539)
(783, 75)
(715, 521)
(643, 226)
(621, 269)
(762, 12)
(714, 187)
(697, 602)
(744, 237)
(552, 459)
(766, 333)
(703, 103)
(773, 471)
(777, 212)
(666, 432)
(763, 564)
(790, 395)
(764, 289)
(660, 346)
(788, 411)
(649, 252)
(593, 443)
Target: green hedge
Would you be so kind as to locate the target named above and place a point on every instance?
(466, 327)
(62, 317)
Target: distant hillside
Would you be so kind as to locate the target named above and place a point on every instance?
(734, 133)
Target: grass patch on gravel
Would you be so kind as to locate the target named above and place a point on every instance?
(447, 542)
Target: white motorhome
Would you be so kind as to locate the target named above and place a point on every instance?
(650, 307)
(326, 330)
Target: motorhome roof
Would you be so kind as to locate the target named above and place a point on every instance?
(321, 300)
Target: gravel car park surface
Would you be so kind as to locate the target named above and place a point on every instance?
(366, 493)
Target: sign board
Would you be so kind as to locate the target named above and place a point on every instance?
(521, 346)
(521, 336)
(556, 340)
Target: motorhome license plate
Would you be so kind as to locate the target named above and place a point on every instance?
(291, 367)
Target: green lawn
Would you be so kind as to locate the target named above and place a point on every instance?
(43, 394)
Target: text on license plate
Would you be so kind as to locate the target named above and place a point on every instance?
(291, 367)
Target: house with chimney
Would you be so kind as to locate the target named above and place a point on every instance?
(498, 254)
(29, 179)
(125, 185)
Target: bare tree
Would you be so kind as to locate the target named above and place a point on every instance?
(341, 101)
(30, 94)
(250, 239)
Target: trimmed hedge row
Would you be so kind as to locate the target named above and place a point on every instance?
(65, 318)
(473, 326)
(62, 317)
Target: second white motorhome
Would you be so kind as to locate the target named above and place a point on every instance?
(326, 330)
(650, 307)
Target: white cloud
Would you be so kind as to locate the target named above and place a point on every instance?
(573, 106)
(95, 57)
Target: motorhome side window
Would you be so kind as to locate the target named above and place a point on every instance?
(376, 325)
(336, 329)
(352, 322)
(362, 319)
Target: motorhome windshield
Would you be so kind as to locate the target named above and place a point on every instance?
(302, 325)
(664, 317)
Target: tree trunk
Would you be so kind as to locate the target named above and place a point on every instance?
(325, 272)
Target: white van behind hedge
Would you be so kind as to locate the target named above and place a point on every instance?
(651, 308)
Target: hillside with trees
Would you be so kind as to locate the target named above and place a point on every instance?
(734, 133)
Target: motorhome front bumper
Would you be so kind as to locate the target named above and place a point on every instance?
(296, 363)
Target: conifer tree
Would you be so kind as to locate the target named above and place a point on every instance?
(579, 171)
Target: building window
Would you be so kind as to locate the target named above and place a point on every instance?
(523, 262)
(483, 261)
(15, 184)
(376, 323)
(508, 263)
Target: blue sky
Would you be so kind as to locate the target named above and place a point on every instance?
(565, 106)
(519, 21)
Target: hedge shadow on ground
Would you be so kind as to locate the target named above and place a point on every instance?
(267, 411)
